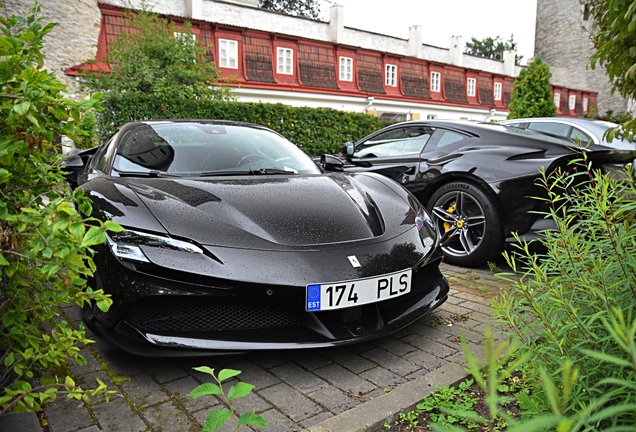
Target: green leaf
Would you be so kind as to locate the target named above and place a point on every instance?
(22, 108)
(216, 419)
(112, 226)
(204, 369)
(3, 261)
(204, 390)
(94, 236)
(239, 390)
(252, 419)
(227, 374)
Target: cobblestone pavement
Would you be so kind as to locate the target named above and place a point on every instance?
(295, 390)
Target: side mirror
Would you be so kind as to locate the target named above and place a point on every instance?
(72, 166)
(348, 149)
(331, 163)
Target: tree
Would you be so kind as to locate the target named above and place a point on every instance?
(492, 48)
(46, 255)
(155, 57)
(299, 8)
(532, 96)
(614, 38)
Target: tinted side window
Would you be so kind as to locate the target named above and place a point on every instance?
(558, 129)
(101, 158)
(396, 142)
(579, 136)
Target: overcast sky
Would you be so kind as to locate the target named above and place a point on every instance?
(441, 19)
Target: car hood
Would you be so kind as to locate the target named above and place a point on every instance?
(257, 211)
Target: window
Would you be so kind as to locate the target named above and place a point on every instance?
(572, 102)
(497, 93)
(584, 104)
(346, 69)
(285, 57)
(395, 117)
(470, 88)
(395, 142)
(431, 116)
(391, 75)
(550, 128)
(557, 99)
(228, 54)
(580, 137)
(435, 81)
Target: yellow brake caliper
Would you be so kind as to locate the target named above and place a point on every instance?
(451, 209)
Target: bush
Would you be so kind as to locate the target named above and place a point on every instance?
(46, 245)
(316, 131)
(574, 307)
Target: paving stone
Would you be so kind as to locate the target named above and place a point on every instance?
(298, 378)
(290, 402)
(180, 388)
(350, 360)
(473, 298)
(277, 422)
(89, 381)
(93, 428)
(252, 402)
(454, 300)
(228, 426)
(73, 313)
(91, 363)
(430, 346)
(268, 359)
(123, 363)
(382, 377)
(309, 359)
(345, 380)
(315, 419)
(426, 360)
(390, 361)
(164, 370)
(478, 307)
(428, 332)
(333, 399)
(118, 415)
(455, 309)
(67, 415)
(167, 417)
(252, 374)
(393, 345)
(144, 391)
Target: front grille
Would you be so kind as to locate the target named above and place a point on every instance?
(192, 314)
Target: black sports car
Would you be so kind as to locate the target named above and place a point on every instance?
(235, 240)
(476, 179)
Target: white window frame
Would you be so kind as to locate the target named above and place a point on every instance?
(436, 80)
(284, 61)
(228, 53)
(346, 68)
(585, 102)
(390, 76)
(431, 116)
(497, 91)
(572, 102)
(471, 87)
(557, 100)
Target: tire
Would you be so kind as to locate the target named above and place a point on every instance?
(472, 232)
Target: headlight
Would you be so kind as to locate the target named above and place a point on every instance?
(126, 245)
(422, 216)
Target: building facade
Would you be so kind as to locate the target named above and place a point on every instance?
(562, 40)
(303, 62)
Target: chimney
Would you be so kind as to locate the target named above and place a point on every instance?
(336, 24)
(194, 9)
(415, 41)
(456, 51)
(509, 62)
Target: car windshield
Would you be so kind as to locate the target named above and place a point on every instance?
(196, 148)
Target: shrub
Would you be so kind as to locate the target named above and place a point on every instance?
(532, 96)
(573, 307)
(46, 254)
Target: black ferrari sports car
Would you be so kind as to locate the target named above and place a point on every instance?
(236, 240)
(477, 180)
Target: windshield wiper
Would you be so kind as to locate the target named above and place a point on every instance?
(144, 174)
(261, 171)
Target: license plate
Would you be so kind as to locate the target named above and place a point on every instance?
(339, 295)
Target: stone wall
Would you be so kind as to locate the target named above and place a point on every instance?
(562, 40)
(74, 38)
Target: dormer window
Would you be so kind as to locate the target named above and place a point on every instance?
(471, 85)
(228, 53)
(497, 91)
(391, 75)
(285, 61)
(436, 79)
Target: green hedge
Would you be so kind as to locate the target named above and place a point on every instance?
(315, 130)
